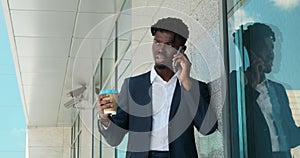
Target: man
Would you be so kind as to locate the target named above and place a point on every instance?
(160, 108)
(271, 130)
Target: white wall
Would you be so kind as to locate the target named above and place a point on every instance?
(48, 142)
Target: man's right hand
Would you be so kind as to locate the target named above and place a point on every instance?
(101, 105)
(255, 73)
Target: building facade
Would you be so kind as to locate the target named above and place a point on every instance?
(60, 47)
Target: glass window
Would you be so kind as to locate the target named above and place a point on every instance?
(115, 65)
(75, 138)
(264, 82)
(96, 142)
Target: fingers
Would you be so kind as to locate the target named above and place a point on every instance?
(181, 60)
(103, 96)
(183, 66)
(255, 71)
(256, 62)
(103, 102)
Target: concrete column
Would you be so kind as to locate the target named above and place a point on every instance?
(48, 142)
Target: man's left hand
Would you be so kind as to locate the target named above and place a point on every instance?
(183, 65)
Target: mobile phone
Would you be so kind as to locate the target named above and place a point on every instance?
(173, 64)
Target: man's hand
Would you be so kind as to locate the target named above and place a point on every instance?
(101, 105)
(183, 65)
(255, 72)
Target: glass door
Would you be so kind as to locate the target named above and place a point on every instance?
(264, 80)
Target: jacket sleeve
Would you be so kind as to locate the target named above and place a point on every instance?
(292, 129)
(198, 100)
(118, 127)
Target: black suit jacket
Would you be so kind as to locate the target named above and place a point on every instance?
(259, 141)
(258, 135)
(134, 116)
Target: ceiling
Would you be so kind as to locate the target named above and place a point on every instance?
(56, 45)
(46, 37)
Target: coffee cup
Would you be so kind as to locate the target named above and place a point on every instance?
(113, 96)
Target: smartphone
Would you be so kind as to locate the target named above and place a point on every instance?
(178, 51)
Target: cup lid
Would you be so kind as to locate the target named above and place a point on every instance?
(109, 91)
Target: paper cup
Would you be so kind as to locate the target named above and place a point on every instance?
(113, 96)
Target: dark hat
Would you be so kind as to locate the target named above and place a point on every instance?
(171, 24)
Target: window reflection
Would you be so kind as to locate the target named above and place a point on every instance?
(271, 130)
(264, 79)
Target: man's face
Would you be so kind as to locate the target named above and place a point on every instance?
(164, 46)
(267, 55)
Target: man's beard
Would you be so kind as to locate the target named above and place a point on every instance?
(161, 66)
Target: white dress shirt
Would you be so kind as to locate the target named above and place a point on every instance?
(162, 95)
(265, 105)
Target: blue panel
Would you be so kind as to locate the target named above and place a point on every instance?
(13, 133)
(12, 120)
(12, 154)
(9, 92)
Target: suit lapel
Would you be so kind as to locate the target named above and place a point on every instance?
(175, 101)
(141, 92)
(148, 88)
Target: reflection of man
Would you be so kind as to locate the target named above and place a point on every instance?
(160, 108)
(271, 130)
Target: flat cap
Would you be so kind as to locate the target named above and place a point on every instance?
(174, 25)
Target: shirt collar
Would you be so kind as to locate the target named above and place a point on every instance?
(154, 74)
(262, 86)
